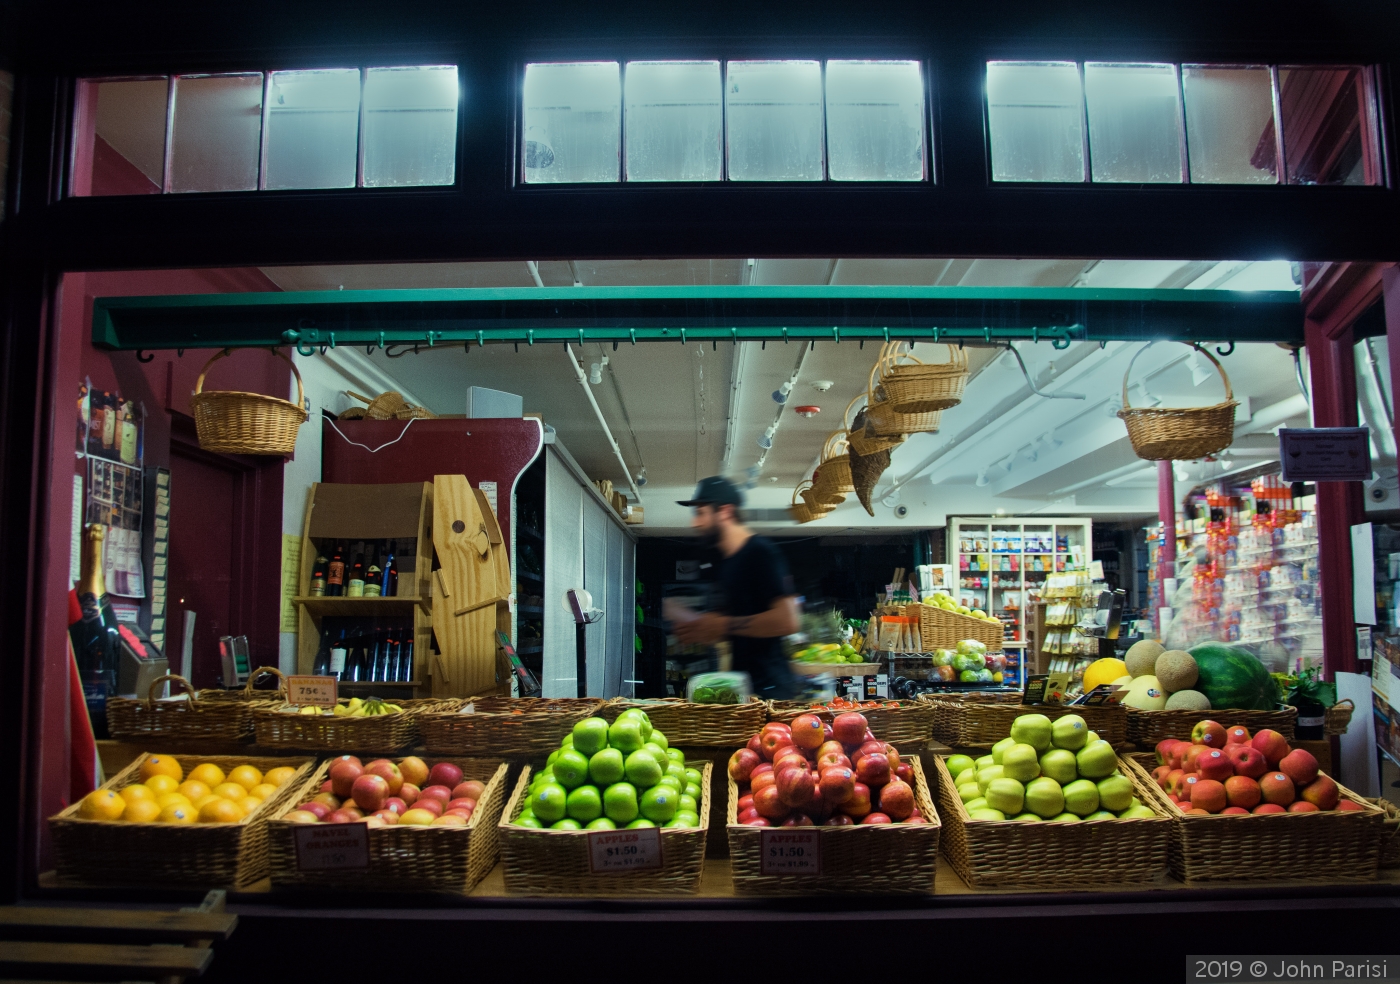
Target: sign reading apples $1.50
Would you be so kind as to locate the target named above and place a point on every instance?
(790, 851)
(618, 851)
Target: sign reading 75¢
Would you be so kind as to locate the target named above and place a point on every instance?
(311, 690)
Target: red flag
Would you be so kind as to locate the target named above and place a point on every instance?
(84, 768)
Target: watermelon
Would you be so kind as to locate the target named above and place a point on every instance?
(1233, 677)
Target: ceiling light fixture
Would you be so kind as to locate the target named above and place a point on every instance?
(642, 477)
(1182, 475)
(595, 374)
(807, 411)
(780, 394)
(982, 478)
(766, 441)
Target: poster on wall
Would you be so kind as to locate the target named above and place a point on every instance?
(110, 435)
(1385, 696)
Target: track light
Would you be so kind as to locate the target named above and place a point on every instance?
(595, 373)
(641, 478)
(1182, 475)
(982, 478)
(780, 394)
(766, 441)
(1008, 464)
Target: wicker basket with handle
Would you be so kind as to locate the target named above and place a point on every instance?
(1390, 837)
(687, 724)
(961, 723)
(403, 857)
(1056, 856)
(833, 476)
(192, 719)
(942, 629)
(912, 386)
(1324, 846)
(862, 858)
(247, 693)
(235, 422)
(556, 862)
(504, 725)
(1149, 727)
(1338, 718)
(861, 434)
(1179, 433)
(281, 725)
(807, 510)
(883, 420)
(203, 855)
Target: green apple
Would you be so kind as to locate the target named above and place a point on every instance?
(983, 761)
(968, 792)
(1135, 802)
(546, 775)
(692, 789)
(570, 768)
(602, 823)
(999, 750)
(1044, 797)
(1096, 760)
(531, 821)
(985, 776)
(1064, 818)
(568, 742)
(1081, 797)
(625, 734)
(684, 819)
(676, 755)
(1021, 762)
(1101, 815)
(657, 738)
(677, 771)
(693, 776)
(688, 804)
(986, 814)
(1115, 793)
(1091, 736)
(642, 770)
(677, 822)
(639, 822)
(1006, 795)
(659, 803)
(658, 753)
(1059, 764)
(590, 736)
(526, 814)
(1027, 817)
(671, 781)
(548, 802)
(980, 803)
(958, 764)
(620, 802)
(1069, 731)
(638, 715)
(1136, 813)
(606, 767)
(585, 804)
(1033, 729)
(568, 823)
(549, 762)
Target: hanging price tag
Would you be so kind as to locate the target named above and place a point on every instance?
(614, 851)
(311, 690)
(332, 845)
(791, 851)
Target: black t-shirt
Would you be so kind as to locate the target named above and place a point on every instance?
(749, 583)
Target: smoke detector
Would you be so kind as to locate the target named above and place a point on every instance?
(822, 385)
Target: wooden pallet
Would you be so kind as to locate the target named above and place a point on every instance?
(62, 942)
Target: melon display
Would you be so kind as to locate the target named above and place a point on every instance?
(1146, 694)
(1232, 677)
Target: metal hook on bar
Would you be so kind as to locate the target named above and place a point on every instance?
(614, 344)
(1035, 335)
(323, 349)
(714, 345)
(304, 350)
(517, 346)
(812, 346)
(580, 338)
(480, 338)
(862, 345)
(530, 336)
(682, 336)
(179, 353)
(1228, 350)
(632, 334)
(785, 338)
(887, 334)
(734, 335)
(986, 335)
(836, 333)
(1059, 343)
(142, 352)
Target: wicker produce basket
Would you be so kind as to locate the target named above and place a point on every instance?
(975, 724)
(1149, 727)
(911, 386)
(280, 726)
(403, 858)
(196, 718)
(1314, 847)
(687, 725)
(942, 629)
(1338, 718)
(882, 420)
(235, 422)
(861, 434)
(203, 855)
(504, 725)
(247, 693)
(809, 508)
(900, 722)
(556, 862)
(1056, 856)
(833, 476)
(880, 859)
(1390, 838)
(1179, 433)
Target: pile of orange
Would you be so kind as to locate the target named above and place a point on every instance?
(165, 794)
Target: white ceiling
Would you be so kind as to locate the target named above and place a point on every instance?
(687, 411)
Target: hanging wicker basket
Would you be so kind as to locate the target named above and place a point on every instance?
(1180, 433)
(882, 420)
(912, 386)
(861, 435)
(235, 422)
(833, 476)
(807, 510)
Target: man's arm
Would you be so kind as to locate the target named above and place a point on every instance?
(779, 620)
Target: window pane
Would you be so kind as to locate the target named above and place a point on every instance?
(215, 134)
(1134, 122)
(1035, 115)
(1327, 131)
(313, 128)
(774, 121)
(122, 151)
(1229, 124)
(875, 120)
(410, 122)
(673, 119)
(572, 122)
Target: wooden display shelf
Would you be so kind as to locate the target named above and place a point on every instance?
(321, 605)
(840, 669)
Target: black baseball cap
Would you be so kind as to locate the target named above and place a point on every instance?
(715, 491)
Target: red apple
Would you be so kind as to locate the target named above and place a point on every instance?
(1242, 791)
(858, 805)
(833, 759)
(449, 820)
(905, 773)
(1322, 793)
(443, 793)
(1272, 744)
(1237, 735)
(1234, 811)
(1268, 808)
(444, 774)
(849, 728)
(741, 764)
(796, 787)
(330, 800)
(838, 784)
(1249, 761)
(343, 776)
(1350, 806)
(414, 770)
(759, 822)
(1164, 750)
(916, 819)
(761, 768)
(744, 816)
(755, 744)
(897, 799)
(745, 802)
(461, 803)
(892, 754)
(1198, 811)
(326, 787)
(798, 820)
(873, 818)
(830, 746)
(769, 804)
(388, 816)
(1302, 806)
(762, 781)
(341, 816)
(389, 772)
(1174, 780)
(1215, 765)
(873, 769)
(397, 804)
(1189, 757)
(1159, 775)
(1277, 788)
(471, 789)
(1299, 765)
(1208, 733)
(774, 740)
(1209, 795)
(790, 756)
(301, 816)
(807, 731)
(346, 758)
(432, 804)
(838, 820)
(320, 809)
(409, 793)
(1188, 783)
(827, 731)
(370, 791)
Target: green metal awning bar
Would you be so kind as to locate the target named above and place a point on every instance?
(534, 315)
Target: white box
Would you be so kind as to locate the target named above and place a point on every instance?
(483, 402)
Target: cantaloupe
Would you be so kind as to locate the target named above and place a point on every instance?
(1188, 700)
(1142, 656)
(1177, 670)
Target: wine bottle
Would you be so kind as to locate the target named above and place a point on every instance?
(391, 574)
(376, 657)
(374, 574)
(338, 654)
(318, 576)
(406, 661)
(96, 641)
(335, 573)
(355, 586)
(322, 665)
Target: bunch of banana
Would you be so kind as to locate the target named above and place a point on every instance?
(372, 707)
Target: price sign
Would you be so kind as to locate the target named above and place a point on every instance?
(615, 851)
(333, 845)
(311, 690)
(791, 851)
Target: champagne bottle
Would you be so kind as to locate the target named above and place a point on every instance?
(337, 663)
(335, 573)
(355, 585)
(391, 574)
(318, 576)
(96, 641)
(322, 665)
(374, 575)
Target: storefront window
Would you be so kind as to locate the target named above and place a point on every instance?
(1035, 112)
(1226, 111)
(410, 126)
(773, 127)
(1134, 122)
(1328, 126)
(216, 125)
(313, 129)
(875, 121)
(572, 122)
(675, 117)
(122, 145)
